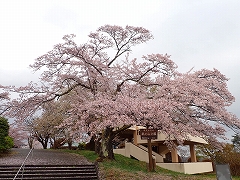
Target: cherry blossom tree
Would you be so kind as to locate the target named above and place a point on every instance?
(16, 132)
(109, 92)
(4, 98)
(19, 134)
(46, 129)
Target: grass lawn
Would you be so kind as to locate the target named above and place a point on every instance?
(124, 168)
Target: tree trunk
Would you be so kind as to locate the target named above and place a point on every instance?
(98, 145)
(30, 142)
(44, 145)
(57, 143)
(51, 141)
(92, 144)
(106, 148)
(69, 142)
(43, 141)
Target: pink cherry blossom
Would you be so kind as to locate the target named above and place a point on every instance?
(108, 90)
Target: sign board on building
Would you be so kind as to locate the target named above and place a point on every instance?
(148, 134)
(223, 172)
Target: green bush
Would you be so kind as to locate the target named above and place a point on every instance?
(9, 142)
(6, 142)
(4, 127)
(81, 146)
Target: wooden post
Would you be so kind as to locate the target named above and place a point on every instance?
(148, 134)
(135, 137)
(193, 153)
(150, 166)
(174, 155)
(154, 164)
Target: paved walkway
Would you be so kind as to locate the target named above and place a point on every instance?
(42, 157)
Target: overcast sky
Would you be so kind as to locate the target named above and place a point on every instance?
(196, 33)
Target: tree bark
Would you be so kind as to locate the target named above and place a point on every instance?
(106, 148)
(43, 141)
(30, 142)
(97, 145)
(69, 142)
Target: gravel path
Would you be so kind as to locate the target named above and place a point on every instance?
(42, 157)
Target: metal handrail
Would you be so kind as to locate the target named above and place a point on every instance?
(23, 164)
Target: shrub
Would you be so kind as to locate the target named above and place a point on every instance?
(6, 142)
(81, 146)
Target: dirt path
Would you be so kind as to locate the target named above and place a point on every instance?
(42, 157)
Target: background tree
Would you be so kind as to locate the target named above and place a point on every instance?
(6, 141)
(4, 99)
(228, 155)
(184, 153)
(236, 142)
(42, 131)
(19, 134)
(109, 92)
(46, 128)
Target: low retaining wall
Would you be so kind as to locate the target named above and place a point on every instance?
(188, 168)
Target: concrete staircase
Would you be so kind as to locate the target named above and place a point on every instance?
(50, 172)
(139, 152)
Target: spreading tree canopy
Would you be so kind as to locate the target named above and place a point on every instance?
(109, 90)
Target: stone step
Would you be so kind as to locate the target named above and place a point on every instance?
(51, 172)
(43, 167)
(48, 166)
(54, 178)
